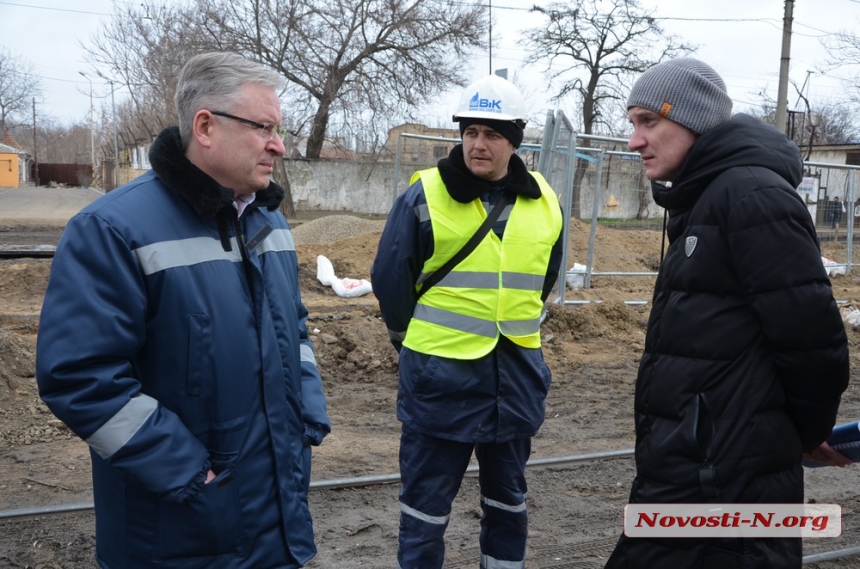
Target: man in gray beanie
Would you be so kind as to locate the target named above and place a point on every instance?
(746, 355)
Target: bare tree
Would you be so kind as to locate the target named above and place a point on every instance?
(144, 50)
(56, 143)
(812, 124)
(360, 59)
(843, 49)
(592, 48)
(365, 62)
(18, 86)
(837, 124)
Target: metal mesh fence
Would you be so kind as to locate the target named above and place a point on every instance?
(831, 194)
(602, 186)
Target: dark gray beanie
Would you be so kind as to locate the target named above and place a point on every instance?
(683, 90)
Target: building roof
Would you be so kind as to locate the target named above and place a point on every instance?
(9, 140)
(6, 149)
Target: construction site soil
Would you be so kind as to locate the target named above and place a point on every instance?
(575, 508)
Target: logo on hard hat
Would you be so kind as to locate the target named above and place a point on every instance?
(476, 103)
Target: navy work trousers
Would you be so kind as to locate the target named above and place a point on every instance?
(431, 471)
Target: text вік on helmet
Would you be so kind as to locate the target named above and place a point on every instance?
(494, 98)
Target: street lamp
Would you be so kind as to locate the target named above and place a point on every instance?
(115, 133)
(491, 37)
(92, 133)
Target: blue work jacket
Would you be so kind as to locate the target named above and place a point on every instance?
(174, 341)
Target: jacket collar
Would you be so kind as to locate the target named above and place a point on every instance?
(463, 186)
(204, 194)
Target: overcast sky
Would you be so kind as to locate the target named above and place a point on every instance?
(741, 39)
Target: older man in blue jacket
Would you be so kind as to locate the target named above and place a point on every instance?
(173, 341)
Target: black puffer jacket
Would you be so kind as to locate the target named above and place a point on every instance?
(746, 354)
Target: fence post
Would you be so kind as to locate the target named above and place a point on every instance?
(595, 212)
(849, 234)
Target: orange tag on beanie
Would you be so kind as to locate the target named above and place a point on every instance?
(664, 110)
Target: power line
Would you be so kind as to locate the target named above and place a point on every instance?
(53, 78)
(55, 9)
(766, 20)
(52, 9)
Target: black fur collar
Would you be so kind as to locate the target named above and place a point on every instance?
(205, 195)
(463, 186)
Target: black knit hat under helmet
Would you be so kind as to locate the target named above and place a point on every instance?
(508, 129)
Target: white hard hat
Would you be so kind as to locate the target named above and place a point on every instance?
(492, 98)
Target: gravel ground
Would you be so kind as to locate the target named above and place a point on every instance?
(334, 228)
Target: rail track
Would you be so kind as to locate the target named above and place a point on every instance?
(61, 536)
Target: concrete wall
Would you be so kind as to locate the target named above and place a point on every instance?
(346, 186)
(368, 188)
(359, 187)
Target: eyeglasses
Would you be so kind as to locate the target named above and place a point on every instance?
(268, 131)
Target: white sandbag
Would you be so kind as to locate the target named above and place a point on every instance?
(325, 271)
(575, 277)
(346, 288)
(851, 315)
(832, 267)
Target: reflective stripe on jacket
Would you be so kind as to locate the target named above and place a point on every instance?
(497, 288)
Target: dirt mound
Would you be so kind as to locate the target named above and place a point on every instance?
(17, 372)
(22, 284)
(612, 319)
(334, 228)
(615, 249)
(24, 419)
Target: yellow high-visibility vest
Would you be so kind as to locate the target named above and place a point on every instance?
(494, 291)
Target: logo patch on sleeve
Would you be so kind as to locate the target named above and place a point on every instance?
(690, 245)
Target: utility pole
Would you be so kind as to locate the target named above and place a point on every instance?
(35, 149)
(115, 132)
(782, 94)
(92, 133)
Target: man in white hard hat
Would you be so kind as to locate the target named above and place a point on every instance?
(467, 326)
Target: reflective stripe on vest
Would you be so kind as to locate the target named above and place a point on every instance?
(497, 288)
